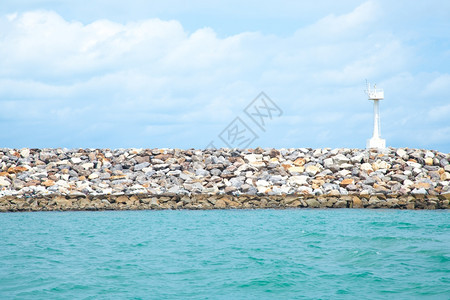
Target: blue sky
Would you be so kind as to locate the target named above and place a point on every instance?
(116, 74)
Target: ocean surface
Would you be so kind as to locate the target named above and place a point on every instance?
(229, 254)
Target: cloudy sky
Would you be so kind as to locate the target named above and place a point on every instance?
(116, 74)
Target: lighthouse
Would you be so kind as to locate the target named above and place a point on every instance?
(375, 95)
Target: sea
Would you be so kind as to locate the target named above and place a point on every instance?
(226, 254)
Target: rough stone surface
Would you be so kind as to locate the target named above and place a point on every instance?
(78, 179)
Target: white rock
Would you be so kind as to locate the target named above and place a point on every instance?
(420, 191)
(402, 153)
(257, 164)
(147, 169)
(340, 159)
(413, 164)
(416, 171)
(344, 173)
(62, 162)
(25, 152)
(87, 166)
(317, 153)
(298, 180)
(366, 167)
(261, 189)
(262, 183)
(429, 154)
(407, 183)
(107, 191)
(76, 160)
(4, 181)
(93, 175)
(327, 162)
(253, 157)
(305, 189)
(63, 183)
(312, 169)
(357, 159)
(380, 164)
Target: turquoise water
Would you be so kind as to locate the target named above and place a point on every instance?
(231, 254)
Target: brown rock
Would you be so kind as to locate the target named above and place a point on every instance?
(340, 204)
(286, 166)
(32, 183)
(312, 203)
(48, 183)
(220, 204)
(347, 181)
(445, 176)
(357, 203)
(274, 153)
(299, 161)
(15, 170)
(424, 185)
(230, 189)
(122, 199)
(115, 177)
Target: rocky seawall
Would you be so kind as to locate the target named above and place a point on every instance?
(99, 179)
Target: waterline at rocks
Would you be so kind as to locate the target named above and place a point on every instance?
(92, 179)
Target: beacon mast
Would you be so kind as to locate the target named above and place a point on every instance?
(375, 95)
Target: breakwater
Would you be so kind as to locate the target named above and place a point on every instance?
(96, 179)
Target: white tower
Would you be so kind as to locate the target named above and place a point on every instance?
(375, 94)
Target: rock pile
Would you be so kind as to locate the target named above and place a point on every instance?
(220, 178)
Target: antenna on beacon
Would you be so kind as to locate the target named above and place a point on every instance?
(375, 95)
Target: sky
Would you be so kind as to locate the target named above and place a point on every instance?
(196, 74)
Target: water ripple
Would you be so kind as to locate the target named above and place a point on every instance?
(225, 254)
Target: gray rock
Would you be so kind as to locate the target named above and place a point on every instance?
(140, 166)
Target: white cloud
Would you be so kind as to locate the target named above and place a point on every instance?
(153, 75)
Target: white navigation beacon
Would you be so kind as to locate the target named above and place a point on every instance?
(375, 94)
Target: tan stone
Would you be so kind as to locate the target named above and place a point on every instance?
(312, 203)
(347, 181)
(15, 170)
(122, 199)
(445, 176)
(334, 193)
(220, 204)
(357, 203)
(286, 166)
(410, 205)
(48, 183)
(63, 201)
(429, 161)
(296, 169)
(299, 162)
(424, 185)
(295, 203)
(340, 204)
(115, 177)
(312, 169)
